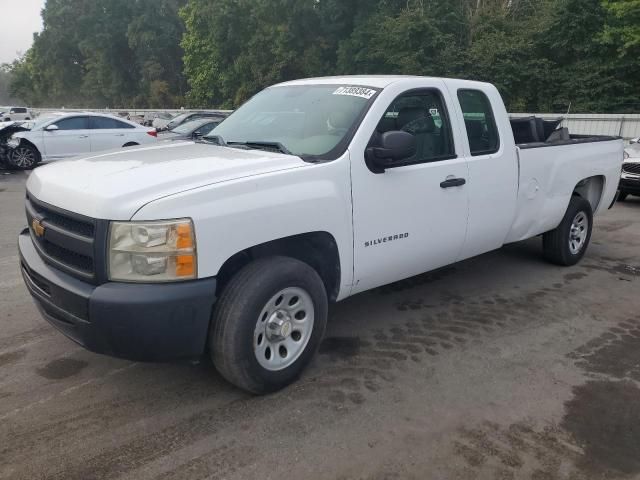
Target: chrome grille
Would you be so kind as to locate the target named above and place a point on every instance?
(67, 241)
(631, 168)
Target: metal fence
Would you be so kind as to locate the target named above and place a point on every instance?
(626, 126)
(132, 112)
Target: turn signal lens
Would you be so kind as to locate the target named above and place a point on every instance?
(185, 266)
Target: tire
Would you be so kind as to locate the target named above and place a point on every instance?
(247, 323)
(24, 157)
(622, 197)
(130, 144)
(567, 244)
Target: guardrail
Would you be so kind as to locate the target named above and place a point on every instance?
(132, 112)
(626, 126)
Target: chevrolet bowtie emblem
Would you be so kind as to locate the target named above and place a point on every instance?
(37, 227)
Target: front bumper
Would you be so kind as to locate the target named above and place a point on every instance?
(630, 184)
(142, 322)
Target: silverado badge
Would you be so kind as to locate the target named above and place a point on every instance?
(37, 227)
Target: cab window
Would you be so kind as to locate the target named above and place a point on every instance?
(424, 115)
(479, 122)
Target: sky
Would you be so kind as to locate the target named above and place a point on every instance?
(21, 19)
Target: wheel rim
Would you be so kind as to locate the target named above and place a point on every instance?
(578, 232)
(23, 157)
(283, 328)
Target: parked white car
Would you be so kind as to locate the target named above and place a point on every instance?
(161, 120)
(8, 114)
(312, 191)
(62, 135)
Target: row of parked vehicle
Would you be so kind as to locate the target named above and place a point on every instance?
(25, 142)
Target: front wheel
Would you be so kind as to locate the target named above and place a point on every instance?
(24, 157)
(268, 324)
(567, 244)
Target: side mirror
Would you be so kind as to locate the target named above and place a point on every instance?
(51, 128)
(391, 148)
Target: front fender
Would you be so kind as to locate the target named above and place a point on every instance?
(232, 216)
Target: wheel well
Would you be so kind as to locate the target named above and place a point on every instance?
(317, 249)
(590, 189)
(130, 144)
(24, 140)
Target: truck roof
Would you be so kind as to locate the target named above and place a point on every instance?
(376, 81)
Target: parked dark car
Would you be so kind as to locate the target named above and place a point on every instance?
(190, 130)
(186, 117)
(630, 180)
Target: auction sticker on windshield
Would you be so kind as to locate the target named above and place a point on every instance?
(355, 92)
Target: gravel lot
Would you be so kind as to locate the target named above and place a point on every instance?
(499, 367)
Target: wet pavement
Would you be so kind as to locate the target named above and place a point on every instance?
(499, 367)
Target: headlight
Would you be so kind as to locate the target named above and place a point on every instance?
(13, 142)
(163, 251)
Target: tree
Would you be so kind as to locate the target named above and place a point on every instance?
(623, 26)
(542, 54)
(98, 54)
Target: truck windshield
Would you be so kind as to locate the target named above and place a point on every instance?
(304, 120)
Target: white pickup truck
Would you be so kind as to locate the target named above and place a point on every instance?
(312, 191)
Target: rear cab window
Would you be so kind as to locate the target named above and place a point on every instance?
(479, 122)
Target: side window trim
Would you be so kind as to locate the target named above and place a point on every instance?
(446, 122)
(490, 151)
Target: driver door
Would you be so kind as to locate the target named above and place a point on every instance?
(411, 218)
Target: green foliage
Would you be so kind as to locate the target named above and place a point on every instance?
(542, 54)
(623, 27)
(97, 54)
(5, 80)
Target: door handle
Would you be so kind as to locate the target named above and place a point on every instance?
(83, 136)
(119, 134)
(452, 182)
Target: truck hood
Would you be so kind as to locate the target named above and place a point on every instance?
(114, 184)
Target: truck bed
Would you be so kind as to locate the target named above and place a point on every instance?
(535, 132)
(550, 170)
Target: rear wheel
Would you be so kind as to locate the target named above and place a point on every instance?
(567, 244)
(268, 323)
(24, 157)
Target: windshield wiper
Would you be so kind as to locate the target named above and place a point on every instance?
(263, 145)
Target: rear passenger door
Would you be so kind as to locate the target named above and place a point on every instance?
(70, 139)
(493, 165)
(107, 133)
